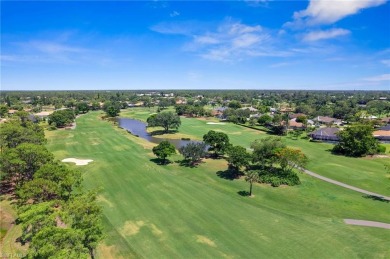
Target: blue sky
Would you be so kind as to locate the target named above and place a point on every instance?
(318, 44)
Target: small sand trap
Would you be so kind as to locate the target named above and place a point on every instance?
(77, 161)
(216, 123)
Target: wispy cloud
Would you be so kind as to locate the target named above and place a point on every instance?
(386, 62)
(186, 28)
(325, 34)
(321, 12)
(50, 47)
(174, 14)
(281, 64)
(228, 41)
(378, 78)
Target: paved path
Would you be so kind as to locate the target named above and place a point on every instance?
(380, 196)
(366, 223)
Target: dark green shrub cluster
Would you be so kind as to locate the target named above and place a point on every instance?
(381, 149)
(277, 178)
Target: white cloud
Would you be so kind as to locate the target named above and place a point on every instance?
(378, 78)
(281, 64)
(174, 14)
(386, 62)
(229, 40)
(52, 47)
(327, 12)
(325, 34)
(186, 28)
(206, 39)
(232, 41)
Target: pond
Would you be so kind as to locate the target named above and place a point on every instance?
(138, 128)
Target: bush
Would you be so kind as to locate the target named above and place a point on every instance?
(277, 178)
(52, 127)
(381, 149)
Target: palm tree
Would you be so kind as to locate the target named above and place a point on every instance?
(251, 177)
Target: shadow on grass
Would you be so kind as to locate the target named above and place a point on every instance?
(243, 193)
(375, 198)
(159, 161)
(229, 174)
(162, 132)
(188, 163)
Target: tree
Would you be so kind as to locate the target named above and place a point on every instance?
(252, 121)
(218, 142)
(61, 118)
(238, 157)
(3, 110)
(234, 105)
(34, 217)
(251, 177)
(85, 215)
(112, 109)
(302, 119)
(264, 119)
(23, 161)
(38, 190)
(193, 152)
(167, 120)
(163, 150)
(55, 242)
(52, 181)
(82, 107)
(356, 140)
(264, 150)
(13, 133)
(277, 119)
(290, 158)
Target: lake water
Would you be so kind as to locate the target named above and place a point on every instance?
(137, 127)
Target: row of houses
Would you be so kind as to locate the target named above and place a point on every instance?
(328, 134)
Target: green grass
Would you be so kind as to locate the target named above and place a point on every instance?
(155, 211)
(365, 173)
(9, 232)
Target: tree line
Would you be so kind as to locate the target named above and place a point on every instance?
(59, 219)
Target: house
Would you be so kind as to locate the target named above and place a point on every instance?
(382, 135)
(327, 120)
(181, 101)
(256, 115)
(325, 134)
(296, 115)
(295, 125)
(286, 110)
(218, 111)
(251, 109)
(11, 112)
(42, 115)
(386, 120)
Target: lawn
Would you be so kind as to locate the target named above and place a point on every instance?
(365, 173)
(155, 211)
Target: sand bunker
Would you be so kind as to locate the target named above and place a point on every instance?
(216, 123)
(77, 161)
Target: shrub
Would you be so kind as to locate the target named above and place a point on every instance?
(381, 149)
(277, 178)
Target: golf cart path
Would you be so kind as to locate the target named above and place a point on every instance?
(366, 223)
(346, 185)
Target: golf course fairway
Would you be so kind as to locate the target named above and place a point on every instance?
(173, 211)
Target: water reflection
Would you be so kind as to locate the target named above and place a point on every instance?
(138, 128)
